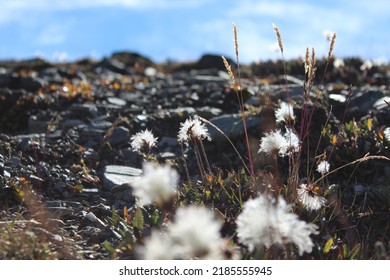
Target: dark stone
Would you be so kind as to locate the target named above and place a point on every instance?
(27, 83)
(84, 110)
(231, 125)
(119, 135)
(212, 61)
(363, 101)
(131, 59)
(113, 65)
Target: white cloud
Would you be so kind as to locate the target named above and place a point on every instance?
(54, 34)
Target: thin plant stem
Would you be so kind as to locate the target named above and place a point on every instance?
(205, 156)
(185, 162)
(230, 142)
(240, 98)
(318, 144)
(199, 161)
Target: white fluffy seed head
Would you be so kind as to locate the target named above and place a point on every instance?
(271, 142)
(323, 167)
(157, 183)
(266, 222)
(275, 143)
(143, 141)
(193, 129)
(308, 197)
(194, 234)
(284, 113)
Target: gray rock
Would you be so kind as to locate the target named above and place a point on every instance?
(116, 101)
(31, 84)
(60, 212)
(118, 175)
(15, 161)
(295, 92)
(85, 109)
(336, 97)
(102, 210)
(150, 72)
(167, 155)
(291, 80)
(231, 125)
(71, 123)
(381, 103)
(103, 125)
(208, 112)
(53, 203)
(90, 219)
(73, 204)
(123, 192)
(35, 125)
(51, 74)
(363, 101)
(113, 65)
(53, 237)
(119, 135)
(167, 142)
(183, 111)
(90, 190)
(91, 233)
(221, 78)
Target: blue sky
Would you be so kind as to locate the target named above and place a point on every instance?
(185, 29)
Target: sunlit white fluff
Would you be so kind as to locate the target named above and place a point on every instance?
(143, 141)
(193, 129)
(157, 247)
(284, 113)
(309, 198)
(271, 142)
(156, 183)
(291, 143)
(266, 222)
(194, 234)
(276, 143)
(323, 167)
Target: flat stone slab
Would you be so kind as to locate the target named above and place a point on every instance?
(118, 175)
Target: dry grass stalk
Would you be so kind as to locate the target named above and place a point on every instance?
(229, 70)
(280, 42)
(235, 42)
(332, 41)
(310, 66)
(306, 62)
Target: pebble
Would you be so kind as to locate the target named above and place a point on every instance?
(116, 101)
(91, 220)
